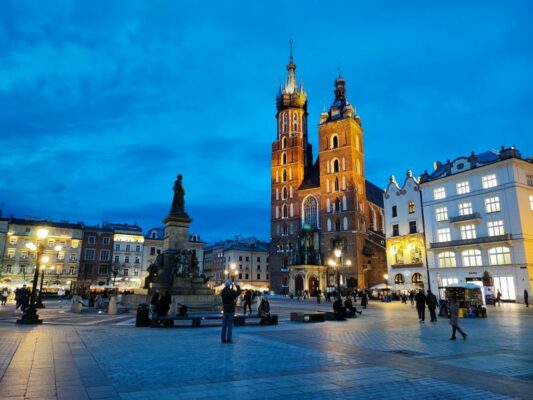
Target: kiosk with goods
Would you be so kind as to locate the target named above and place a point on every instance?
(470, 299)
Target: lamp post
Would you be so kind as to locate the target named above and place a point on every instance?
(45, 259)
(338, 255)
(386, 277)
(30, 316)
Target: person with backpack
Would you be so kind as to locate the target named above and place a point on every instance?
(229, 295)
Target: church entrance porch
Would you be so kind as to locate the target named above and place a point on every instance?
(299, 284)
(314, 285)
(307, 277)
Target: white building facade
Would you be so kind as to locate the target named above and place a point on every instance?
(404, 230)
(478, 213)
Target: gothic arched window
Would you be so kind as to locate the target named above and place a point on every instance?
(283, 158)
(295, 124)
(334, 141)
(284, 143)
(284, 176)
(310, 212)
(285, 213)
(284, 194)
(399, 279)
(285, 122)
(336, 185)
(335, 166)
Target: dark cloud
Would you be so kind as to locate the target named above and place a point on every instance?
(100, 109)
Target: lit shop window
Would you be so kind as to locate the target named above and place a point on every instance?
(499, 256)
(465, 208)
(441, 214)
(439, 193)
(472, 258)
(447, 259)
(468, 232)
(495, 228)
(463, 187)
(443, 235)
(492, 204)
(489, 181)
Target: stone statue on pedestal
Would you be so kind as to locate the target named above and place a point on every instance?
(178, 202)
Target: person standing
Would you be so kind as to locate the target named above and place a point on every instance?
(248, 301)
(498, 298)
(526, 297)
(412, 297)
(420, 300)
(229, 294)
(454, 318)
(431, 301)
(364, 300)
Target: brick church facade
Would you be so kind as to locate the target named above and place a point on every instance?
(318, 206)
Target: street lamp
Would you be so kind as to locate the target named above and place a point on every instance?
(233, 266)
(45, 259)
(338, 256)
(30, 316)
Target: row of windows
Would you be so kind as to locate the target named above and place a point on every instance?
(487, 182)
(472, 257)
(127, 247)
(492, 204)
(90, 254)
(24, 269)
(246, 258)
(284, 123)
(416, 279)
(285, 193)
(410, 209)
(494, 228)
(280, 248)
(92, 239)
(126, 260)
(396, 228)
(51, 243)
(11, 253)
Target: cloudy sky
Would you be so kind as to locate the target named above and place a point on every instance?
(102, 103)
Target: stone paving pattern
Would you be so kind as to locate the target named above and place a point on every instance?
(386, 353)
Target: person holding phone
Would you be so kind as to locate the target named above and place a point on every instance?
(229, 295)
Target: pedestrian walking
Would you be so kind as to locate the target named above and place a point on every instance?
(5, 293)
(498, 298)
(412, 297)
(454, 318)
(526, 298)
(431, 301)
(248, 301)
(229, 294)
(364, 300)
(420, 300)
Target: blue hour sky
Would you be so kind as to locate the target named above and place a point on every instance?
(103, 103)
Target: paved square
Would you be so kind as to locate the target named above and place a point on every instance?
(386, 353)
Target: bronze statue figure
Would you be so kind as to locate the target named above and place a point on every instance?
(178, 202)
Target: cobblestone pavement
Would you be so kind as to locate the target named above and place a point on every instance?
(386, 353)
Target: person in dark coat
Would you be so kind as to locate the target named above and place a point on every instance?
(454, 318)
(431, 301)
(498, 298)
(248, 301)
(163, 304)
(338, 309)
(526, 298)
(364, 300)
(420, 300)
(350, 308)
(229, 294)
(412, 297)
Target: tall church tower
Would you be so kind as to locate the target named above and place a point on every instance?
(342, 181)
(291, 157)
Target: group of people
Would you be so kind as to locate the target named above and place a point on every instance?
(431, 301)
(160, 303)
(344, 309)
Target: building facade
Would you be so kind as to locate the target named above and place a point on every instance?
(61, 269)
(404, 230)
(478, 213)
(244, 259)
(96, 262)
(323, 205)
(128, 248)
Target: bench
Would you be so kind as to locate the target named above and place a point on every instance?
(168, 321)
(242, 320)
(312, 316)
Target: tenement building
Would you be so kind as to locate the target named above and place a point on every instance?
(404, 230)
(61, 248)
(96, 263)
(326, 218)
(478, 213)
(244, 259)
(128, 248)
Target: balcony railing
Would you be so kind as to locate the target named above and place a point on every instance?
(462, 218)
(467, 242)
(411, 265)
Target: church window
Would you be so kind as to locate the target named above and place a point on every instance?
(310, 212)
(336, 184)
(285, 211)
(284, 143)
(337, 225)
(327, 185)
(329, 225)
(343, 183)
(335, 165)
(411, 207)
(284, 196)
(328, 207)
(337, 204)
(358, 167)
(284, 159)
(344, 163)
(285, 230)
(374, 220)
(277, 194)
(291, 192)
(291, 230)
(285, 122)
(277, 212)
(344, 203)
(345, 223)
(334, 141)
(295, 123)
(284, 176)
(292, 210)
